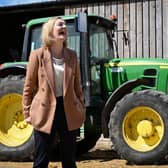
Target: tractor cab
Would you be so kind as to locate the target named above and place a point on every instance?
(94, 47)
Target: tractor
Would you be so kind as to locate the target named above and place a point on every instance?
(126, 98)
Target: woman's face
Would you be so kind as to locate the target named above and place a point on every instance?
(60, 30)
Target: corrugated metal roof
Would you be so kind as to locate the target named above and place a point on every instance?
(17, 3)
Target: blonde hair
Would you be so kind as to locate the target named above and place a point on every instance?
(46, 34)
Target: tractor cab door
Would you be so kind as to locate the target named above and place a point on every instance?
(101, 50)
(99, 53)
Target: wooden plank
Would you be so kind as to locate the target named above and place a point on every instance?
(126, 27)
(146, 29)
(120, 15)
(139, 29)
(152, 31)
(107, 8)
(114, 8)
(133, 26)
(66, 11)
(108, 11)
(165, 28)
(159, 35)
(78, 9)
(101, 38)
(84, 7)
(114, 11)
(96, 8)
(90, 8)
(101, 9)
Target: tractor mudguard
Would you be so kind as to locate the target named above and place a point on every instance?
(120, 92)
(12, 69)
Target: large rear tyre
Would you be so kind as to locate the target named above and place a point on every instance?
(138, 127)
(16, 136)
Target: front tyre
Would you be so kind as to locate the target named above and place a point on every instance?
(16, 138)
(138, 127)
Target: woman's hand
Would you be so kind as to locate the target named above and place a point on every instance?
(28, 120)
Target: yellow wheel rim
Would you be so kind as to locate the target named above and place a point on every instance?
(143, 128)
(14, 131)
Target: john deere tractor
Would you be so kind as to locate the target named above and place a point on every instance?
(126, 99)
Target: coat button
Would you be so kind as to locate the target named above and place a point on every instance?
(43, 89)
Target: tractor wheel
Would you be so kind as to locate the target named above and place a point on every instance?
(16, 138)
(138, 127)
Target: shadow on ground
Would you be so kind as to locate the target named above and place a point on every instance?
(99, 154)
(96, 154)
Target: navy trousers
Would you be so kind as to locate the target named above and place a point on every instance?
(43, 141)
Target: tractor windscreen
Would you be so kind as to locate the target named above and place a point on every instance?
(98, 38)
(73, 40)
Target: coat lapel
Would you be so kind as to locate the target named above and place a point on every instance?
(68, 70)
(48, 67)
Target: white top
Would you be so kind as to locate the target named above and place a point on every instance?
(58, 65)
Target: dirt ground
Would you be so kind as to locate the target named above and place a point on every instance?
(101, 156)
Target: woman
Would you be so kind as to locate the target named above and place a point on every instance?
(52, 95)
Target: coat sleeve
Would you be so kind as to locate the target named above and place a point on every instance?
(30, 83)
(77, 83)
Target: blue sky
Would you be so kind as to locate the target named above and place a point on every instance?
(19, 2)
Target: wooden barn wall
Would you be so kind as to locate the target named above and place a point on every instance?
(145, 20)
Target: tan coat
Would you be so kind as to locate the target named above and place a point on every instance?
(41, 107)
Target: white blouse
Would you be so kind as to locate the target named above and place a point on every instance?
(58, 65)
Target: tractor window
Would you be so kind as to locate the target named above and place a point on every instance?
(36, 38)
(99, 46)
(73, 40)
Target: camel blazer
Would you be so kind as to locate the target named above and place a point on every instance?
(39, 99)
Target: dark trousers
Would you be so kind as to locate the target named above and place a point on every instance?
(43, 141)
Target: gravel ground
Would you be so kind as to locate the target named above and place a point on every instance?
(101, 156)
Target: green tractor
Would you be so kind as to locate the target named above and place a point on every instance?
(126, 99)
